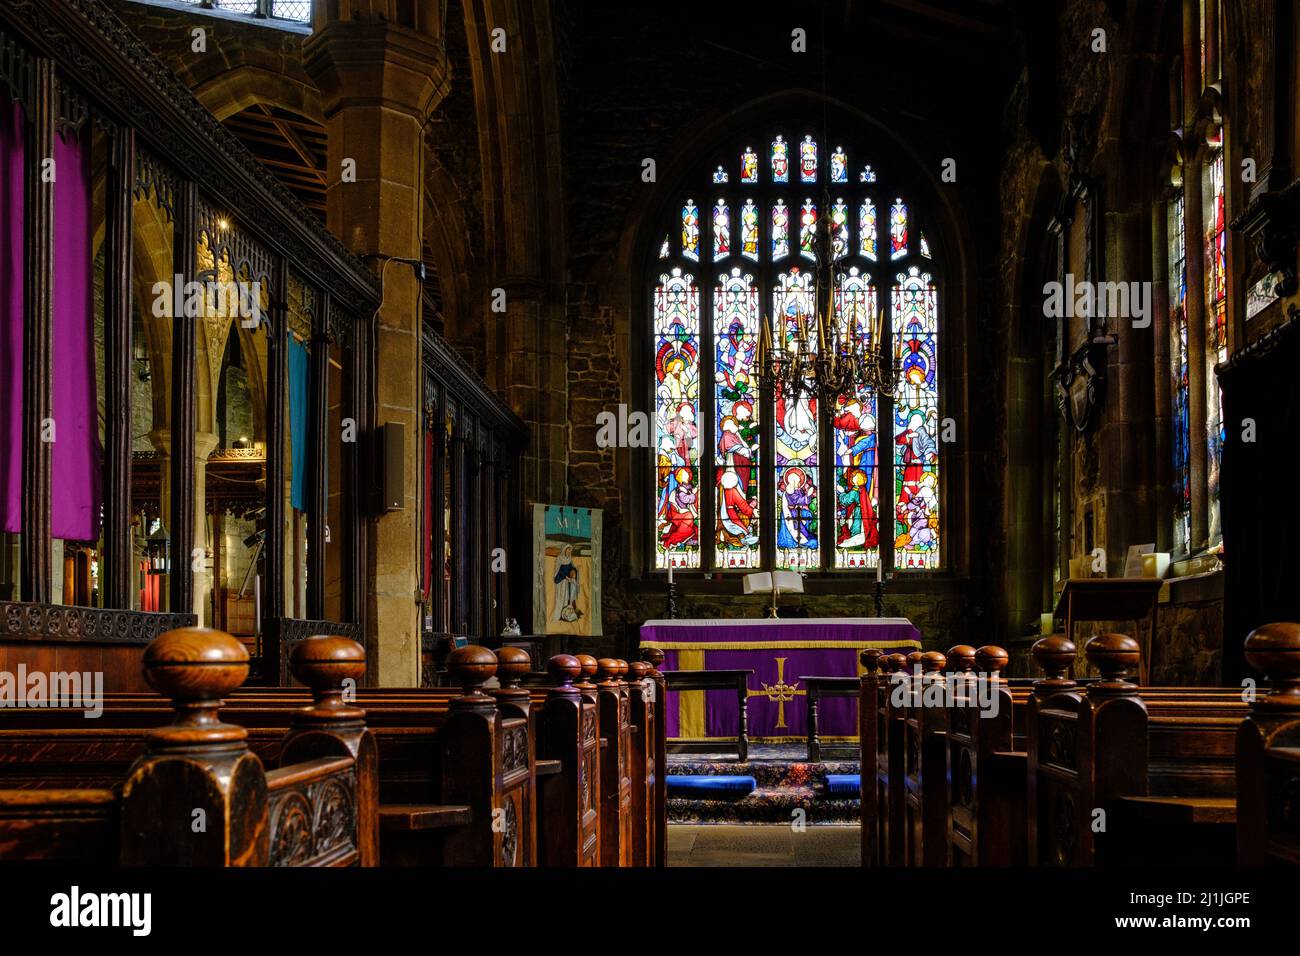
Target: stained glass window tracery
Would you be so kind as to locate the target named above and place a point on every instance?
(750, 477)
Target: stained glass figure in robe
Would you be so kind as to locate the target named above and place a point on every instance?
(839, 230)
(1216, 345)
(664, 249)
(808, 160)
(808, 229)
(719, 175)
(1182, 420)
(749, 166)
(898, 229)
(780, 161)
(868, 175)
(916, 419)
(780, 231)
(736, 405)
(677, 402)
(839, 166)
(867, 229)
(721, 230)
(925, 247)
(857, 493)
(691, 230)
(794, 314)
(749, 230)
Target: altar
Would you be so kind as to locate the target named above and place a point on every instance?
(781, 652)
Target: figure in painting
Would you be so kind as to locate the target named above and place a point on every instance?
(918, 450)
(858, 525)
(679, 518)
(734, 453)
(566, 587)
(798, 525)
(735, 512)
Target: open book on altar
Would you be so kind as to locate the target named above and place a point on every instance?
(790, 581)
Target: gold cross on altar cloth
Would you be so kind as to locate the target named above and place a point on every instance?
(780, 692)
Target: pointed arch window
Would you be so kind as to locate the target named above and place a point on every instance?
(744, 475)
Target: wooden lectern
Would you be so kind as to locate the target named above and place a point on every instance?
(1113, 599)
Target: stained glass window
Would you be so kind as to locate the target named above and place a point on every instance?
(749, 230)
(780, 230)
(780, 161)
(1216, 307)
(691, 230)
(898, 229)
(857, 497)
(839, 166)
(807, 229)
(867, 229)
(721, 230)
(743, 472)
(808, 160)
(840, 229)
(677, 404)
(794, 315)
(737, 318)
(916, 421)
(1182, 377)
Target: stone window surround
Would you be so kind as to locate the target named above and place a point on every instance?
(193, 7)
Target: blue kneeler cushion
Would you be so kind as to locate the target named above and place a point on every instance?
(706, 787)
(848, 784)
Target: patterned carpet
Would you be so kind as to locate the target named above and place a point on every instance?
(787, 782)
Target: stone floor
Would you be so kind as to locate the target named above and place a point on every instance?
(762, 845)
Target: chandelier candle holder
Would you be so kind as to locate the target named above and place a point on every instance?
(835, 367)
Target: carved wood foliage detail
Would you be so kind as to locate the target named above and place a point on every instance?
(314, 823)
(90, 624)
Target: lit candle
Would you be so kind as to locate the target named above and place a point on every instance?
(670, 570)
(880, 570)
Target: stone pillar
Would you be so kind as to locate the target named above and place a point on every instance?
(379, 79)
(205, 577)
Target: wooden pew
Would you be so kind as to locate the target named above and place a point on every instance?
(615, 781)
(654, 656)
(881, 766)
(196, 767)
(1268, 752)
(925, 767)
(568, 731)
(1092, 755)
(456, 776)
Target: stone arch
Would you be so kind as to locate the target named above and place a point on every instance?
(247, 85)
(916, 168)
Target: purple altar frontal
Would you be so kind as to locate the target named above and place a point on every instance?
(781, 653)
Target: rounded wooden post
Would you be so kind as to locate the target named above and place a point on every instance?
(198, 795)
(1273, 721)
(1054, 655)
(512, 664)
(589, 667)
(871, 659)
(471, 667)
(992, 660)
(333, 667)
(564, 669)
(1114, 655)
(961, 658)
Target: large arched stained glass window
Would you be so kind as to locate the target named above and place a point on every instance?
(754, 475)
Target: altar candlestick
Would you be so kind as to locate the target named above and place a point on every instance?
(670, 570)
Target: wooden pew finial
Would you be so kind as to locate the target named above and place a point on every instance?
(961, 658)
(895, 662)
(512, 664)
(933, 661)
(871, 659)
(913, 662)
(609, 670)
(471, 666)
(654, 656)
(637, 670)
(324, 663)
(589, 667)
(564, 669)
(1054, 654)
(1114, 655)
(992, 660)
(195, 667)
(1274, 650)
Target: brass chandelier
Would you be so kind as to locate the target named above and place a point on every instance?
(836, 366)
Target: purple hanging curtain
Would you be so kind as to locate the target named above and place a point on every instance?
(75, 456)
(75, 467)
(11, 318)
